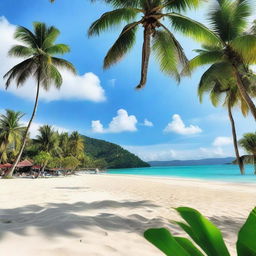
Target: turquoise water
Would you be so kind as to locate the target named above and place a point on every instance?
(227, 173)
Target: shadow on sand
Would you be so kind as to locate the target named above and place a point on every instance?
(61, 219)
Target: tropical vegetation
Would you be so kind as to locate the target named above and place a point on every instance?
(157, 36)
(38, 47)
(219, 83)
(235, 47)
(11, 134)
(248, 142)
(206, 238)
(51, 149)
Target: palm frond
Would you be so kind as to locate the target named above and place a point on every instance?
(58, 49)
(112, 18)
(215, 75)
(50, 36)
(168, 53)
(193, 29)
(26, 36)
(229, 18)
(181, 5)
(204, 58)
(63, 64)
(21, 51)
(122, 45)
(18, 72)
(246, 46)
(122, 3)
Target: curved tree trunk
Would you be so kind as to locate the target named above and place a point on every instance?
(10, 173)
(244, 93)
(238, 158)
(145, 57)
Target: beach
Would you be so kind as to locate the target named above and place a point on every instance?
(100, 215)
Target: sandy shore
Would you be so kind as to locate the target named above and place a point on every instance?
(99, 215)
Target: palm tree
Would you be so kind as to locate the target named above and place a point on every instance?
(64, 143)
(76, 144)
(236, 47)
(221, 86)
(38, 48)
(157, 36)
(48, 141)
(248, 142)
(11, 133)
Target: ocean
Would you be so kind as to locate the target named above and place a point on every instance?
(227, 173)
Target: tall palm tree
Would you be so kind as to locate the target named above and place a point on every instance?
(236, 47)
(38, 48)
(76, 144)
(11, 133)
(47, 141)
(150, 14)
(248, 142)
(218, 82)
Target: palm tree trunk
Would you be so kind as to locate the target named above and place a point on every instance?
(10, 173)
(145, 57)
(42, 170)
(238, 158)
(243, 92)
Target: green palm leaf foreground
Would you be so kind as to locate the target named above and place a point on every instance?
(38, 48)
(157, 37)
(236, 47)
(11, 133)
(206, 238)
(248, 142)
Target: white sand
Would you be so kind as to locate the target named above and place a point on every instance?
(100, 215)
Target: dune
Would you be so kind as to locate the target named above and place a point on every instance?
(100, 215)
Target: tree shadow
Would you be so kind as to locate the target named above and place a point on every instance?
(62, 218)
(228, 225)
(72, 188)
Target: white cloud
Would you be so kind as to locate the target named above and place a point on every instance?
(148, 123)
(78, 87)
(33, 131)
(97, 127)
(178, 126)
(222, 141)
(166, 152)
(120, 123)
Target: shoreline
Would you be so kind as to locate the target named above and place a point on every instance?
(69, 216)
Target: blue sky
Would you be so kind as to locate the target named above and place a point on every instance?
(104, 104)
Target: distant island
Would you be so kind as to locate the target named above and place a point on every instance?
(207, 161)
(115, 156)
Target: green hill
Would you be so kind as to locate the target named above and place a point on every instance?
(114, 155)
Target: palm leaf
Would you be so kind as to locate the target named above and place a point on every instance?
(63, 64)
(204, 58)
(205, 234)
(181, 5)
(21, 51)
(246, 238)
(193, 29)
(112, 18)
(18, 71)
(122, 45)
(246, 46)
(58, 49)
(168, 53)
(165, 242)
